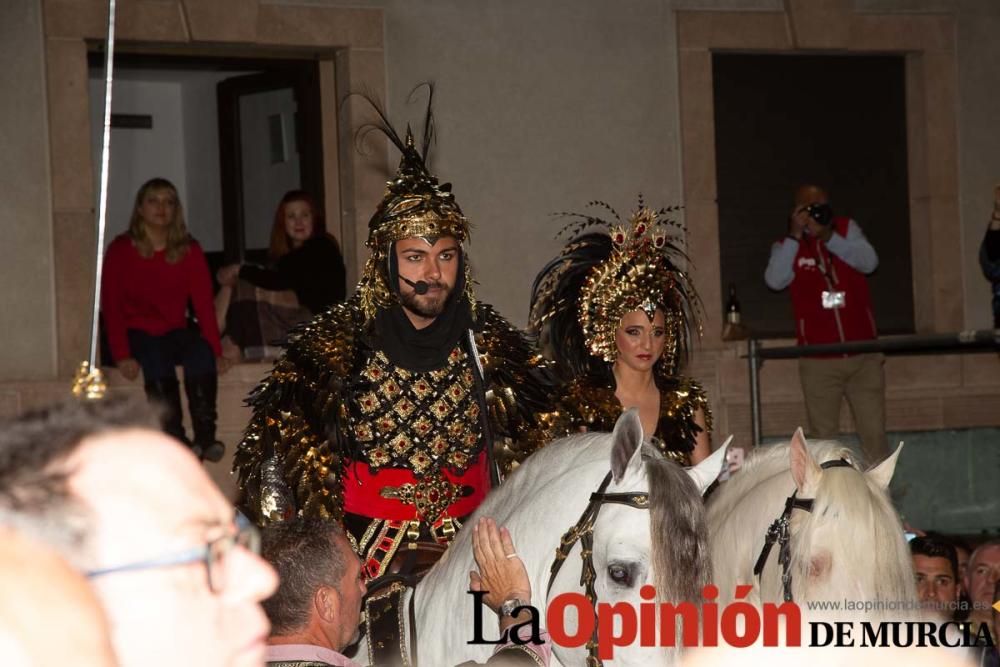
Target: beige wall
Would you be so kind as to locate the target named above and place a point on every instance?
(540, 107)
(27, 311)
(543, 106)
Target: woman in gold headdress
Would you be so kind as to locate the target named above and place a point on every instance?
(614, 312)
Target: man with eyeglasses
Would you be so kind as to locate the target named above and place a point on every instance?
(176, 573)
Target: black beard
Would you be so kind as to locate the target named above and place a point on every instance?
(412, 302)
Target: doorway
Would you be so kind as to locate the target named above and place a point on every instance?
(836, 121)
(232, 134)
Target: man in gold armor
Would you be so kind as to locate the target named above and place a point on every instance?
(399, 409)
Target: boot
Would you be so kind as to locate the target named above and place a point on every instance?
(166, 393)
(201, 392)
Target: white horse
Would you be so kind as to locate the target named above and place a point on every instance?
(662, 544)
(848, 546)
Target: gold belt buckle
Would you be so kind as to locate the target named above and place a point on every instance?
(431, 496)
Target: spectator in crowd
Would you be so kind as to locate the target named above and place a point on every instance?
(962, 552)
(936, 569)
(150, 274)
(41, 592)
(315, 612)
(989, 255)
(980, 581)
(175, 574)
(823, 259)
(257, 306)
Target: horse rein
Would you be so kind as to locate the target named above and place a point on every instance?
(583, 532)
(779, 532)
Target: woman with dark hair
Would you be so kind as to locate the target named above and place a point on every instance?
(150, 274)
(614, 313)
(304, 259)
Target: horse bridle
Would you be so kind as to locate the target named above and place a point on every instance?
(583, 532)
(779, 533)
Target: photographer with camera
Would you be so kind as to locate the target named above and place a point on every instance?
(823, 260)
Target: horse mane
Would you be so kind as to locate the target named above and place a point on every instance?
(681, 557)
(851, 513)
(768, 462)
(864, 519)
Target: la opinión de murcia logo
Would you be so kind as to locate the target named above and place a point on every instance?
(738, 624)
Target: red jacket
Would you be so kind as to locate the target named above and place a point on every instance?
(815, 324)
(152, 295)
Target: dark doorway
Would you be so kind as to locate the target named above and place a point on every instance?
(270, 142)
(838, 121)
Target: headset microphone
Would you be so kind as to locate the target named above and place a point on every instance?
(420, 287)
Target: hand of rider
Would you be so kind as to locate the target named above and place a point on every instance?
(504, 578)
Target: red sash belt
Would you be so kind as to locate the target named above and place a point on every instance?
(362, 490)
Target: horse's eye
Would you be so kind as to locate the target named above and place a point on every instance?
(620, 574)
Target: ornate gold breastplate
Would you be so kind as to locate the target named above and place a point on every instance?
(419, 421)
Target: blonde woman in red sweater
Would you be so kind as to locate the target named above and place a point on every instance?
(151, 273)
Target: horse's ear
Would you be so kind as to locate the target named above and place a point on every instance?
(804, 469)
(708, 470)
(626, 441)
(882, 473)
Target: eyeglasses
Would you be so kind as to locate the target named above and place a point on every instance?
(214, 554)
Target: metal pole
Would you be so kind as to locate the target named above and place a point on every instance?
(102, 207)
(89, 380)
(752, 346)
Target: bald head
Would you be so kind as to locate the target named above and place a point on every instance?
(132, 478)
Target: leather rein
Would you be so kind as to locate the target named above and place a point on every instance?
(779, 532)
(583, 532)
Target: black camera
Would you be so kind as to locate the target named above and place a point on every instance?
(821, 213)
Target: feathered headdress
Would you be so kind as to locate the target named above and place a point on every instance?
(414, 205)
(581, 296)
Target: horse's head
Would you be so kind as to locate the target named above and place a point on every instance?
(666, 548)
(850, 545)
(659, 541)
